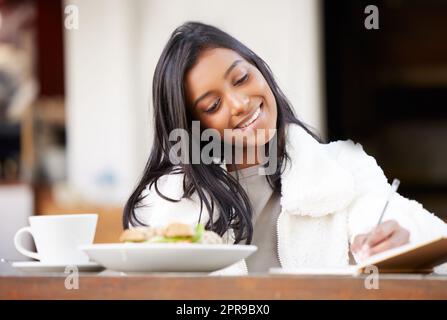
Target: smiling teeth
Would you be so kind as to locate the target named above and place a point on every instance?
(252, 119)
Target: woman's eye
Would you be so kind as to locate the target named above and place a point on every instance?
(213, 106)
(241, 80)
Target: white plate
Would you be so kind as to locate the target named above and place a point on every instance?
(37, 266)
(167, 257)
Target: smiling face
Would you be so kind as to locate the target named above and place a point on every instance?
(224, 91)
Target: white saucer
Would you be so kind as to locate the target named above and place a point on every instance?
(37, 266)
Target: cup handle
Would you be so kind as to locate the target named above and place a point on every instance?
(18, 243)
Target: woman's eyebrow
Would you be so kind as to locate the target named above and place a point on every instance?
(234, 64)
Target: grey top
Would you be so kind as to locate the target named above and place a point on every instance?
(266, 209)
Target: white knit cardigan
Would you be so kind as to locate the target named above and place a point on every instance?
(330, 193)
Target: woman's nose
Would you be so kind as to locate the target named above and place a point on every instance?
(238, 103)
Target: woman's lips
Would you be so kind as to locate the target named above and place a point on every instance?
(253, 119)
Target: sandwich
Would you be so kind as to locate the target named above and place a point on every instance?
(175, 232)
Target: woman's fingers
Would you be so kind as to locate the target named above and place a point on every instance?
(399, 238)
(358, 242)
(387, 235)
(382, 232)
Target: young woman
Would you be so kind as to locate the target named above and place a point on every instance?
(319, 204)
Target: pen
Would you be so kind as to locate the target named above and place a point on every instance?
(394, 187)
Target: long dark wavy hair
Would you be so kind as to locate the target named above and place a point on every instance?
(216, 188)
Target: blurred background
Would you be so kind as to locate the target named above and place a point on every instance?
(75, 100)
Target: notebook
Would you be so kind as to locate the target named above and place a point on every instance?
(411, 258)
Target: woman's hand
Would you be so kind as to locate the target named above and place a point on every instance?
(387, 235)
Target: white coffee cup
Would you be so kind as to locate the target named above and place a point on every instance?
(57, 237)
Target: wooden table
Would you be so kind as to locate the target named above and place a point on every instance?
(182, 286)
